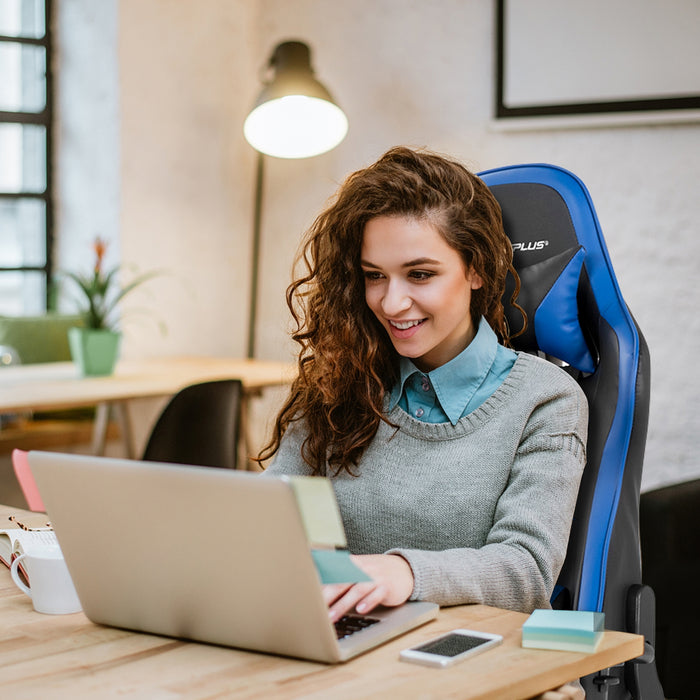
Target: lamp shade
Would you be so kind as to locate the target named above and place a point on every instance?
(294, 116)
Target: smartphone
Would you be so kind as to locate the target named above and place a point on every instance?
(451, 647)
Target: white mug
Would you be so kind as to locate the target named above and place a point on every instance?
(50, 585)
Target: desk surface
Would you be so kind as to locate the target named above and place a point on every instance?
(58, 385)
(58, 656)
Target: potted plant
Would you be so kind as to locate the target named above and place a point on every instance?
(95, 345)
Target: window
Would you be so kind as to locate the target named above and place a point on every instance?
(25, 147)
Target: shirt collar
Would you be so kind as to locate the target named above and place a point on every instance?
(456, 381)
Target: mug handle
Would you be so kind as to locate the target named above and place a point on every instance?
(15, 576)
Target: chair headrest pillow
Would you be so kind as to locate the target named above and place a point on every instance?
(549, 297)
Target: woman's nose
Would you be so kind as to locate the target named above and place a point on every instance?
(395, 300)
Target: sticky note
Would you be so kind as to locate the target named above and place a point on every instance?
(335, 566)
(567, 630)
(319, 510)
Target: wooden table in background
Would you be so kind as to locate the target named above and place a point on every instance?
(60, 656)
(57, 386)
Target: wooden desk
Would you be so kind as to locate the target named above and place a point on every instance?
(59, 656)
(52, 386)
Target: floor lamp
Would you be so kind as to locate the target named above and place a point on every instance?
(293, 117)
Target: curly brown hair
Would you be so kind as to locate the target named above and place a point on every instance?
(347, 362)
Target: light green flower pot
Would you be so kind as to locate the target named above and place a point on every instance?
(94, 351)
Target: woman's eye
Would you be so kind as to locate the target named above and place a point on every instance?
(372, 275)
(420, 275)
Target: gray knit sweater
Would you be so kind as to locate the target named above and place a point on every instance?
(480, 510)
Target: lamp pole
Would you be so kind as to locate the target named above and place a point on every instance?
(255, 258)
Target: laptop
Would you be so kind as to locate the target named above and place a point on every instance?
(211, 555)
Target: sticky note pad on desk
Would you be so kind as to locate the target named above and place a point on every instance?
(567, 630)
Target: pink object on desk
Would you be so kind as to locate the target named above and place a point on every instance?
(26, 480)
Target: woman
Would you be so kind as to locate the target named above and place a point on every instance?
(455, 460)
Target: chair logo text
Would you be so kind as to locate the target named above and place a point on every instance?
(530, 245)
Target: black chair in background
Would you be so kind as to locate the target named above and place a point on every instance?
(669, 523)
(579, 319)
(200, 425)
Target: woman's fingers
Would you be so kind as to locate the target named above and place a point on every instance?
(369, 602)
(391, 584)
(333, 591)
(350, 600)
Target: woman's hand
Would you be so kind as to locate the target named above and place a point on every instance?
(391, 585)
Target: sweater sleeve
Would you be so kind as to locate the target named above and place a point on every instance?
(518, 565)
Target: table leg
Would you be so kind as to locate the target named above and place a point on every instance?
(122, 415)
(103, 412)
(99, 431)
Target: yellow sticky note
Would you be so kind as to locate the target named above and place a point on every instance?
(319, 510)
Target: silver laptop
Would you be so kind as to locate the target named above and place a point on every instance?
(211, 555)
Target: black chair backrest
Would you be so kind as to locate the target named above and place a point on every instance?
(200, 426)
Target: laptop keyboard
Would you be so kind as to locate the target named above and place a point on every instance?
(349, 624)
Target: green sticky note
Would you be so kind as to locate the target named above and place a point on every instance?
(335, 566)
(570, 630)
(319, 510)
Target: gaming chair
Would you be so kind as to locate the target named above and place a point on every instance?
(578, 319)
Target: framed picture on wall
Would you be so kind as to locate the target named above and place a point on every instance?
(564, 59)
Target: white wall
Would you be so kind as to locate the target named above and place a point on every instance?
(187, 72)
(405, 71)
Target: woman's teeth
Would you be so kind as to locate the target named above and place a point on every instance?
(404, 325)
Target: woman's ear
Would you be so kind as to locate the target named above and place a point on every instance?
(474, 279)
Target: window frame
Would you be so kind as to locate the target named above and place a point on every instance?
(43, 118)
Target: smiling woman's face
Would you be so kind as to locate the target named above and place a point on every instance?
(419, 288)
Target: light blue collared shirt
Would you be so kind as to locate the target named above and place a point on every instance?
(459, 386)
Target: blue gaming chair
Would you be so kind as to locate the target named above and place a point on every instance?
(578, 319)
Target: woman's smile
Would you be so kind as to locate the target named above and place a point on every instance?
(404, 329)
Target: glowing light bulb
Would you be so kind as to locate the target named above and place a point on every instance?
(295, 126)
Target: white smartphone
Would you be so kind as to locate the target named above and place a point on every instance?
(451, 647)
